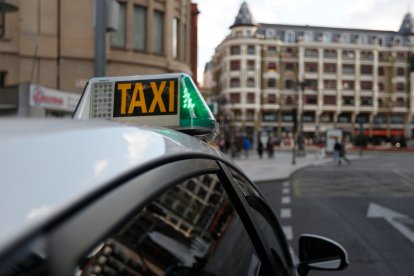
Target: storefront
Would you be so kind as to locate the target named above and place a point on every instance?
(40, 101)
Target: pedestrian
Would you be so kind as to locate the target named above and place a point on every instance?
(260, 149)
(269, 148)
(337, 152)
(246, 146)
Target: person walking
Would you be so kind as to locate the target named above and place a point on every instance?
(269, 148)
(260, 149)
(246, 146)
(337, 152)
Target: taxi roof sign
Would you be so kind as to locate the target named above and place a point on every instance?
(168, 100)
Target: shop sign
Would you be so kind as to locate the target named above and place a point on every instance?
(48, 98)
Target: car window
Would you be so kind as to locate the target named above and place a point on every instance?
(267, 223)
(190, 229)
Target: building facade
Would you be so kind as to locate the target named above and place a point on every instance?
(51, 43)
(270, 77)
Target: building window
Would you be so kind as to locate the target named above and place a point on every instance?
(311, 67)
(347, 100)
(250, 50)
(140, 27)
(380, 71)
(366, 69)
(235, 98)
(348, 55)
(366, 101)
(175, 37)
(235, 50)
(311, 85)
(289, 100)
(363, 117)
(401, 56)
(329, 100)
(158, 32)
(289, 84)
(397, 119)
(311, 99)
(250, 82)
(271, 83)
(327, 117)
(363, 39)
(249, 115)
(308, 36)
(366, 85)
(289, 67)
(269, 117)
(329, 53)
(309, 117)
(400, 86)
(271, 51)
(237, 115)
(250, 98)
(348, 69)
(344, 118)
(287, 117)
(400, 102)
(327, 37)
(400, 71)
(329, 68)
(234, 65)
(271, 66)
(329, 84)
(345, 38)
(311, 53)
(119, 37)
(251, 65)
(381, 87)
(271, 98)
(367, 55)
(289, 37)
(380, 119)
(234, 82)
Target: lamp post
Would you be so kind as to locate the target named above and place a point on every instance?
(301, 145)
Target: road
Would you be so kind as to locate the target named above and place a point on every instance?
(367, 206)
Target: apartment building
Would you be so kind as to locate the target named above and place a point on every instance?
(267, 76)
(47, 49)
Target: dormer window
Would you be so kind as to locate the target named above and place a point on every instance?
(289, 37)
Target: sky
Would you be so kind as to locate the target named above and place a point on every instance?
(216, 16)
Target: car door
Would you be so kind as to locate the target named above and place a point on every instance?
(184, 217)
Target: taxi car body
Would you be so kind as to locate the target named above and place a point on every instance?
(93, 197)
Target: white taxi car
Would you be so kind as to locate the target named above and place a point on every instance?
(137, 194)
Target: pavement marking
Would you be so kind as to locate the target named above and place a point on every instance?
(288, 232)
(286, 184)
(406, 179)
(397, 220)
(285, 213)
(296, 189)
(285, 191)
(286, 200)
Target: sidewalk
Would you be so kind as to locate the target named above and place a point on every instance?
(278, 168)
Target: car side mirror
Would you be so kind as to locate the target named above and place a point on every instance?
(319, 253)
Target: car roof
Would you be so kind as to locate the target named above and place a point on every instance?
(49, 165)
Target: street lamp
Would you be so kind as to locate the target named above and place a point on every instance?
(301, 146)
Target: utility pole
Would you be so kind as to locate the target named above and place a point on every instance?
(100, 38)
(295, 135)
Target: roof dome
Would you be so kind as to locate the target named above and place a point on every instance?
(407, 26)
(244, 17)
